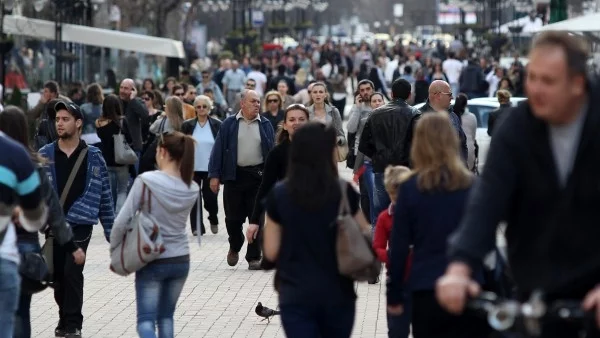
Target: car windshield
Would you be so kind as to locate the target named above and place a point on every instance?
(482, 113)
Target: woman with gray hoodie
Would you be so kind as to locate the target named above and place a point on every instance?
(173, 194)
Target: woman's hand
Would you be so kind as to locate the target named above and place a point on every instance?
(395, 310)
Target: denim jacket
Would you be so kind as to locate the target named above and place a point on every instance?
(223, 158)
(96, 201)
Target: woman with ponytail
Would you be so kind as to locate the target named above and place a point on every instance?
(276, 164)
(171, 193)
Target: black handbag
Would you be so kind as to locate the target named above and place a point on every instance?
(34, 273)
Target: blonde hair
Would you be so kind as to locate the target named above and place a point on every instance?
(394, 176)
(174, 110)
(503, 96)
(435, 155)
(272, 93)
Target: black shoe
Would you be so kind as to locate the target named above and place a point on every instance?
(73, 334)
(59, 332)
(374, 281)
(254, 265)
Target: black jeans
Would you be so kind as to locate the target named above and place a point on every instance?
(238, 201)
(210, 202)
(429, 320)
(560, 329)
(340, 105)
(68, 280)
(365, 201)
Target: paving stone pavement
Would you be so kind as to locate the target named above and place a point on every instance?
(217, 300)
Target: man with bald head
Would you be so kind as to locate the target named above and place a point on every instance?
(440, 97)
(237, 161)
(135, 113)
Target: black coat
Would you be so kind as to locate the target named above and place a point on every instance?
(496, 116)
(552, 230)
(148, 161)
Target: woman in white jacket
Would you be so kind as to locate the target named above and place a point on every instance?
(469, 126)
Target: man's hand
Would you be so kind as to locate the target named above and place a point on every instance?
(79, 256)
(252, 232)
(214, 185)
(454, 287)
(395, 310)
(591, 302)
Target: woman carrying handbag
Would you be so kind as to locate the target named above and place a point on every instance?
(167, 195)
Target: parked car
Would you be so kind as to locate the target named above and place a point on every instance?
(482, 107)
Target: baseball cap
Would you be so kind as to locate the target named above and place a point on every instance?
(71, 107)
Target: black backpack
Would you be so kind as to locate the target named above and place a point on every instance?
(45, 132)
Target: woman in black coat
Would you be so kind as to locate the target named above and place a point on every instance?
(276, 164)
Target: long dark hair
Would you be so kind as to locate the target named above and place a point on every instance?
(460, 104)
(181, 149)
(94, 94)
(14, 124)
(312, 177)
(283, 134)
(111, 108)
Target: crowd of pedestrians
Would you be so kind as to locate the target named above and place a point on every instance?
(272, 143)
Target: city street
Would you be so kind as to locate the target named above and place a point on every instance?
(217, 300)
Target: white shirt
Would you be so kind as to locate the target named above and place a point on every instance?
(261, 81)
(452, 68)
(204, 144)
(8, 247)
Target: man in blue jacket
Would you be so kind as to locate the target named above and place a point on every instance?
(85, 200)
(237, 161)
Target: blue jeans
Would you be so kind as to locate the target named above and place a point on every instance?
(157, 288)
(10, 285)
(370, 183)
(119, 180)
(381, 199)
(399, 326)
(319, 321)
(22, 317)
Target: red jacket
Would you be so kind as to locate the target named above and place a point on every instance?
(383, 232)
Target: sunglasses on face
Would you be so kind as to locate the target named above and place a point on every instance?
(272, 101)
(249, 85)
(202, 107)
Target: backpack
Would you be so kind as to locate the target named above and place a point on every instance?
(45, 133)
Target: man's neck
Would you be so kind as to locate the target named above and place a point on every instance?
(69, 145)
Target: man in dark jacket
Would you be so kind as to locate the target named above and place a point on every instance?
(237, 161)
(135, 113)
(383, 138)
(541, 177)
(472, 81)
(439, 100)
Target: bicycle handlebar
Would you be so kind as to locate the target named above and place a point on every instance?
(502, 314)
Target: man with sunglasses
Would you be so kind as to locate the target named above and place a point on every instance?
(237, 161)
(439, 100)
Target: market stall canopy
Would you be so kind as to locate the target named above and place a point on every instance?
(43, 29)
(587, 23)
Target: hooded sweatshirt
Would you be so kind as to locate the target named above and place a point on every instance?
(171, 203)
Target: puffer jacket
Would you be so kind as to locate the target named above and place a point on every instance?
(384, 135)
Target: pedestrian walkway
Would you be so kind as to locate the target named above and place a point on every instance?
(217, 300)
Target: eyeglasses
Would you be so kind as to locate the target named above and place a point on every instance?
(273, 101)
(448, 94)
(202, 107)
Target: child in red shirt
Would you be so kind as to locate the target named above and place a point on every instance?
(398, 326)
